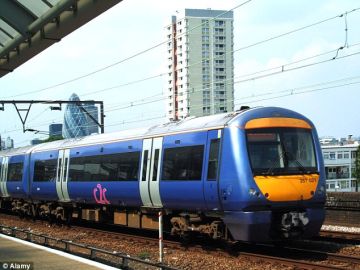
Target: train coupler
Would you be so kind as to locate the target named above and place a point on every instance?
(292, 224)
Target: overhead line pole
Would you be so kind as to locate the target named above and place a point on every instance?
(78, 103)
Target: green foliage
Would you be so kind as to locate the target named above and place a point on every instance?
(144, 255)
(53, 138)
(357, 165)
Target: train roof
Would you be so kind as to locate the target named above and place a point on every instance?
(190, 124)
(16, 151)
(186, 125)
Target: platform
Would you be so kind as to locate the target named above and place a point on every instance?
(20, 254)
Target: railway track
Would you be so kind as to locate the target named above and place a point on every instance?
(298, 258)
(303, 258)
(351, 238)
(289, 256)
(285, 256)
(302, 264)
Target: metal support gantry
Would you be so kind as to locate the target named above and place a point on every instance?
(78, 103)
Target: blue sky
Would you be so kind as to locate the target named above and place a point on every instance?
(325, 90)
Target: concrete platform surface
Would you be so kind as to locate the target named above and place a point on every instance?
(20, 254)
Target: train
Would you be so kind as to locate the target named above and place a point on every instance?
(254, 175)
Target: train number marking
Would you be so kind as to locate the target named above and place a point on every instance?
(305, 180)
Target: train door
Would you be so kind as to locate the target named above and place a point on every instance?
(62, 175)
(150, 172)
(3, 177)
(211, 183)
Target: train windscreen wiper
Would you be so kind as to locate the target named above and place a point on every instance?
(300, 166)
(275, 162)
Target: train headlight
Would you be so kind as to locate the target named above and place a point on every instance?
(253, 192)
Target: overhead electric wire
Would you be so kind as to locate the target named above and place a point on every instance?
(296, 68)
(295, 62)
(300, 88)
(148, 78)
(124, 84)
(122, 60)
(239, 49)
(131, 104)
(297, 30)
(159, 44)
(289, 92)
(302, 92)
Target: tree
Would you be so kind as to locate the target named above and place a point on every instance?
(53, 138)
(357, 168)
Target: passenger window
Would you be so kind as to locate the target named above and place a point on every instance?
(15, 172)
(112, 167)
(183, 163)
(45, 170)
(213, 159)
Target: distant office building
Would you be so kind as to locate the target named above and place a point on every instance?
(7, 143)
(36, 141)
(200, 63)
(339, 161)
(55, 129)
(76, 122)
(94, 112)
(328, 140)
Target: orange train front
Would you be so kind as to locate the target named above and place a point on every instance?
(272, 180)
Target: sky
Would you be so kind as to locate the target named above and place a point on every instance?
(286, 54)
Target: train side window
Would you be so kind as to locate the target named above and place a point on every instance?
(156, 162)
(111, 167)
(213, 159)
(183, 163)
(45, 170)
(15, 172)
(145, 163)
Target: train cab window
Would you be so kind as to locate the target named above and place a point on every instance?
(213, 159)
(15, 172)
(45, 170)
(112, 167)
(281, 151)
(183, 163)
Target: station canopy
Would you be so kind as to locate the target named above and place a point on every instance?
(27, 27)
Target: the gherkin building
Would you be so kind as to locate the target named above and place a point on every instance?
(76, 122)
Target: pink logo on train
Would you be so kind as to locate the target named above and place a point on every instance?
(99, 190)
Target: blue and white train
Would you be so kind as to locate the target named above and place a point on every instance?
(251, 175)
